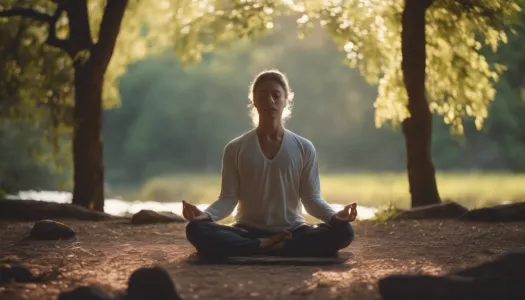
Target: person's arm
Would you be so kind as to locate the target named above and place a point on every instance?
(228, 197)
(310, 188)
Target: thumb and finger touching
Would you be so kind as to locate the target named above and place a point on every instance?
(349, 212)
(191, 212)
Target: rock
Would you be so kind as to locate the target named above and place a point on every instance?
(16, 274)
(511, 265)
(84, 293)
(51, 230)
(502, 278)
(445, 210)
(429, 287)
(11, 295)
(514, 212)
(151, 217)
(151, 283)
(32, 210)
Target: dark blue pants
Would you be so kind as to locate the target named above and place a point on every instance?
(212, 239)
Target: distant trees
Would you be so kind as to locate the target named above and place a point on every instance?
(61, 63)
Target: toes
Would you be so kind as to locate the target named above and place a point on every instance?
(285, 234)
(278, 246)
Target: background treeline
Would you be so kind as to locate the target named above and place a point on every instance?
(175, 119)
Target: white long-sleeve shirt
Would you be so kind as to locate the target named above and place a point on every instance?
(268, 192)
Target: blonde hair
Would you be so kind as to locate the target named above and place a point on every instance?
(280, 78)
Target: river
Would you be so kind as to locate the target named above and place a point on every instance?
(120, 207)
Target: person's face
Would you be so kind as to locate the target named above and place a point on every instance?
(269, 99)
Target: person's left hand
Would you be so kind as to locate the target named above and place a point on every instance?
(347, 214)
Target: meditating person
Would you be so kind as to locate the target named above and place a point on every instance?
(268, 172)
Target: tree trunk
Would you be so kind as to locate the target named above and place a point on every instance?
(89, 78)
(87, 140)
(417, 129)
(87, 132)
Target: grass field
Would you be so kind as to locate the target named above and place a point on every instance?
(373, 190)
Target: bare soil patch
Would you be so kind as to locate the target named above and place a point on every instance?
(107, 252)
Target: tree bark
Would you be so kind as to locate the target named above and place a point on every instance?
(89, 79)
(417, 129)
(88, 190)
(88, 164)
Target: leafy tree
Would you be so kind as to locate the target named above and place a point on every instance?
(100, 38)
(369, 31)
(29, 162)
(425, 57)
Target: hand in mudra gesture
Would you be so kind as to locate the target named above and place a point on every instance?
(192, 212)
(347, 214)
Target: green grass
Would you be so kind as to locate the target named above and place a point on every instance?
(379, 190)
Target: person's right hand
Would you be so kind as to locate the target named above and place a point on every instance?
(192, 212)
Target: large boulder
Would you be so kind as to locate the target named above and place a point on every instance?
(511, 265)
(429, 287)
(33, 210)
(502, 279)
(445, 210)
(514, 212)
(146, 216)
(51, 230)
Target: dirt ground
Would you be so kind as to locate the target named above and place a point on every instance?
(106, 253)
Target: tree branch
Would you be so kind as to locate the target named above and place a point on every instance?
(52, 39)
(79, 28)
(109, 30)
(26, 12)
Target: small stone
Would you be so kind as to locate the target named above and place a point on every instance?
(84, 293)
(146, 216)
(16, 274)
(12, 295)
(51, 230)
(151, 283)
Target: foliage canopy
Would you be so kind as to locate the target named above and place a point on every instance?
(186, 27)
(460, 81)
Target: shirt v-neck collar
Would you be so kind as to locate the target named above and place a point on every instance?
(285, 133)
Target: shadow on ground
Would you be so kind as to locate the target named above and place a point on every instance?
(106, 253)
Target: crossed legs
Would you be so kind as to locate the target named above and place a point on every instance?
(210, 238)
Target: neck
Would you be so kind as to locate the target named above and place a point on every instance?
(270, 128)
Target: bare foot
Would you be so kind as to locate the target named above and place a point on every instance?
(278, 246)
(270, 243)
